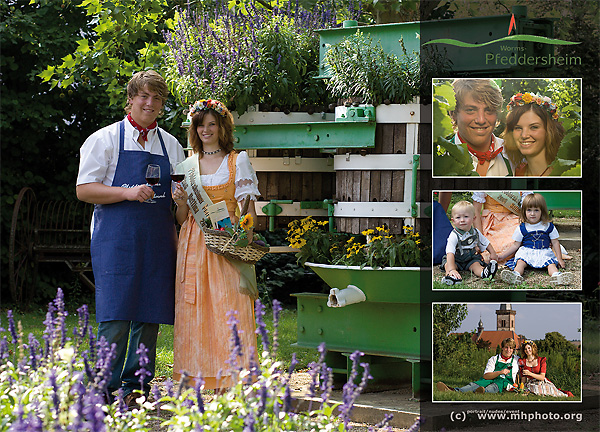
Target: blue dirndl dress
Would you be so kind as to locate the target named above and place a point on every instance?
(535, 248)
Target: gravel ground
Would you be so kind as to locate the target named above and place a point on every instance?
(534, 278)
(298, 381)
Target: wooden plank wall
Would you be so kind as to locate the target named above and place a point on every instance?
(296, 186)
(373, 186)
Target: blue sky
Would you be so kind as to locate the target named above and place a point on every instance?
(533, 320)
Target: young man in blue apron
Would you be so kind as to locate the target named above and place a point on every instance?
(133, 243)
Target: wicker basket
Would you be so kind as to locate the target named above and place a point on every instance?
(221, 243)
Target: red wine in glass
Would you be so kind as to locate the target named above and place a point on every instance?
(177, 177)
(152, 177)
(152, 180)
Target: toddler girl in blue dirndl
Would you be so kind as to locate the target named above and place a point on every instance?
(536, 244)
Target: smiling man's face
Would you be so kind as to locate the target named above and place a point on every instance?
(475, 121)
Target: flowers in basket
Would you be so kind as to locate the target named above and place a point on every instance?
(375, 248)
(240, 232)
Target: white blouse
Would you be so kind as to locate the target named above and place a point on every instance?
(99, 153)
(246, 183)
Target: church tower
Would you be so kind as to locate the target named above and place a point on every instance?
(505, 317)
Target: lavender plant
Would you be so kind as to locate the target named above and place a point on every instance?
(62, 386)
(248, 56)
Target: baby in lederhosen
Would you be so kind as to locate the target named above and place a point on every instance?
(464, 245)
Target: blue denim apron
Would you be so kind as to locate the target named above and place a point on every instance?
(134, 244)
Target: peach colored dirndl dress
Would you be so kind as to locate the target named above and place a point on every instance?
(206, 289)
(498, 224)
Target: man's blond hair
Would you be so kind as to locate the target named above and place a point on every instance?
(482, 90)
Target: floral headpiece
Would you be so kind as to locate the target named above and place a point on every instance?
(206, 104)
(545, 102)
(530, 342)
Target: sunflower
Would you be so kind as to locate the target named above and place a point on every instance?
(246, 223)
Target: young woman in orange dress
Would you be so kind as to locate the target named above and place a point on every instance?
(208, 286)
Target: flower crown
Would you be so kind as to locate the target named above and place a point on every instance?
(206, 104)
(545, 102)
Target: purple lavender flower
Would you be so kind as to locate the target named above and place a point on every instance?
(156, 394)
(198, 389)
(121, 405)
(417, 425)
(4, 348)
(261, 327)
(106, 355)
(276, 313)
(93, 412)
(83, 324)
(142, 372)
(293, 364)
(33, 347)
(11, 327)
(78, 392)
(350, 390)
(249, 422)
(287, 399)
(169, 388)
(55, 396)
(235, 342)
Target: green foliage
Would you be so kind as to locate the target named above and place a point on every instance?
(42, 128)
(450, 159)
(383, 250)
(314, 243)
(122, 39)
(360, 68)
(446, 318)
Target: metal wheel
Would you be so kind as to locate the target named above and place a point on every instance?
(22, 266)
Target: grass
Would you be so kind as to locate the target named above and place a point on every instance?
(33, 322)
(533, 278)
(495, 397)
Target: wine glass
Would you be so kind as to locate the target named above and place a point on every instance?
(152, 177)
(177, 176)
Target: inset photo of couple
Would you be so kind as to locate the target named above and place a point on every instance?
(507, 240)
(507, 352)
(509, 127)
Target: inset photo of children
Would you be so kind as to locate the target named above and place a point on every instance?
(519, 352)
(506, 240)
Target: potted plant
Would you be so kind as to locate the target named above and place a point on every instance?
(359, 69)
(374, 261)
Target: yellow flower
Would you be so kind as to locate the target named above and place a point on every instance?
(527, 98)
(368, 232)
(376, 238)
(247, 222)
(350, 240)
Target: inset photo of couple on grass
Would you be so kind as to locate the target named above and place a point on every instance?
(499, 240)
(510, 127)
(519, 352)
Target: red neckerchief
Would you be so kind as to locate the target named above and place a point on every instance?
(505, 358)
(143, 131)
(483, 156)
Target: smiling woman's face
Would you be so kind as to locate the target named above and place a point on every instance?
(530, 135)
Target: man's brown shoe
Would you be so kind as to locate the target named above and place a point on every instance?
(480, 390)
(130, 400)
(443, 387)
